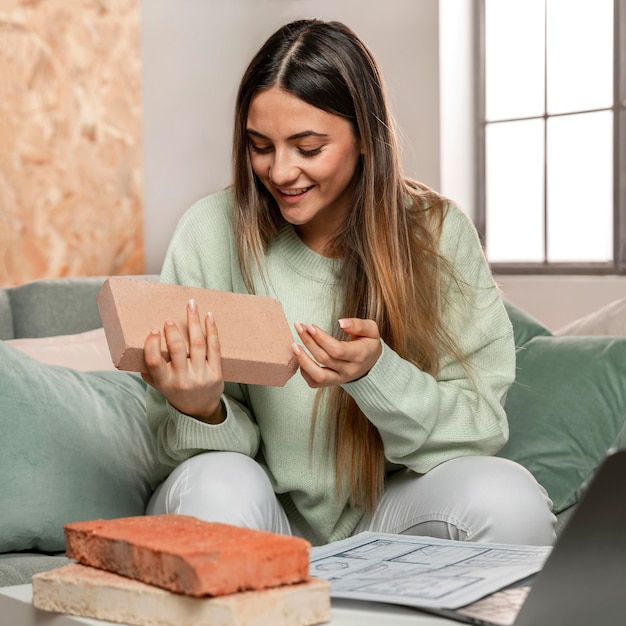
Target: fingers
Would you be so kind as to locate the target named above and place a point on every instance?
(323, 348)
(214, 351)
(203, 344)
(330, 361)
(197, 340)
(176, 345)
(314, 374)
(152, 351)
(359, 328)
(189, 371)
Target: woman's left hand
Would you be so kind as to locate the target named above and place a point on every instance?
(334, 362)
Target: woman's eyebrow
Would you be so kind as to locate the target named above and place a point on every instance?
(302, 135)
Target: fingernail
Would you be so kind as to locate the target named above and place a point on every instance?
(311, 329)
(192, 304)
(155, 331)
(343, 323)
(210, 316)
(299, 328)
(296, 349)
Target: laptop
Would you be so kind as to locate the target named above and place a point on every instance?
(583, 580)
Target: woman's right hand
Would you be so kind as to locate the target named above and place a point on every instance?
(192, 383)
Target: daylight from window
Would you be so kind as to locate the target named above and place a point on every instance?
(549, 131)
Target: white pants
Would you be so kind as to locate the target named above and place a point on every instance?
(470, 498)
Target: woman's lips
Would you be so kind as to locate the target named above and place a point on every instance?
(294, 195)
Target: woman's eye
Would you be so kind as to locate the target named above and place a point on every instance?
(310, 153)
(260, 149)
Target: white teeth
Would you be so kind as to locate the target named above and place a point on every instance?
(294, 192)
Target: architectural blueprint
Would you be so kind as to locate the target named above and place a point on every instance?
(421, 571)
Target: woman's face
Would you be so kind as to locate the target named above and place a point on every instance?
(307, 159)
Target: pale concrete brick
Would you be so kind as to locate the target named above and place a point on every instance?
(255, 338)
(89, 592)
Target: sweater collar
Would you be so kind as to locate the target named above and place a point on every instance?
(307, 262)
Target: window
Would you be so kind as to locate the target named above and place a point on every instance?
(552, 97)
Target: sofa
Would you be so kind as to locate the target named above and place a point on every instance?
(74, 442)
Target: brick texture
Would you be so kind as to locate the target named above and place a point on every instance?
(189, 556)
(89, 592)
(255, 338)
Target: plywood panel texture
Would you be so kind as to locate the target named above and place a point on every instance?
(70, 139)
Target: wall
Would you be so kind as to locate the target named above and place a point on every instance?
(559, 300)
(457, 103)
(70, 153)
(194, 53)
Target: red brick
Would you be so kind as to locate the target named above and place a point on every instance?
(186, 555)
(255, 338)
(90, 592)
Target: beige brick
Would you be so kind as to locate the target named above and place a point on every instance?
(88, 592)
(255, 338)
(187, 555)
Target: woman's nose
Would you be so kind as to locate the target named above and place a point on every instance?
(283, 170)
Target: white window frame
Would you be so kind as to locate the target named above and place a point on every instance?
(618, 263)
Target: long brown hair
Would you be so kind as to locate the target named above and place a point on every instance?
(389, 244)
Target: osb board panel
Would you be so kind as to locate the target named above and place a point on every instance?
(70, 139)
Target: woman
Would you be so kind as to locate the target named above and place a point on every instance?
(405, 349)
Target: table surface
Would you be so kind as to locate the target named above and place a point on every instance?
(16, 609)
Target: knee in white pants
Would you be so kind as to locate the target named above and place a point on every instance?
(225, 487)
(497, 500)
(470, 498)
(518, 508)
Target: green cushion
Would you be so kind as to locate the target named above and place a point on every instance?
(73, 446)
(566, 409)
(525, 326)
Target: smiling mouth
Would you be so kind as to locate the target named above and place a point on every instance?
(295, 192)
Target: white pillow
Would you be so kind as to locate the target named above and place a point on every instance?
(85, 352)
(609, 320)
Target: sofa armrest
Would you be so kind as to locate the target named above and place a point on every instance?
(56, 306)
(51, 306)
(6, 316)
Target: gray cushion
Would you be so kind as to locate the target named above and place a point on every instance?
(6, 316)
(55, 306)
(18, 568)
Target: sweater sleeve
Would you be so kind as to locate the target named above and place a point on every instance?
(201, 254)
(425, 420)
(179, 436)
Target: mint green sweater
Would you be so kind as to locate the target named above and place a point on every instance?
(423, 420)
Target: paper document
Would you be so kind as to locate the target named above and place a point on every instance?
(421, 571)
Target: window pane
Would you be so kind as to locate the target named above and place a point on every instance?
(580, 55)
(580, 187)
(514, 58)
(514, 199)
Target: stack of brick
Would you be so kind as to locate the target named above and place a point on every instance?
(176, 570)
